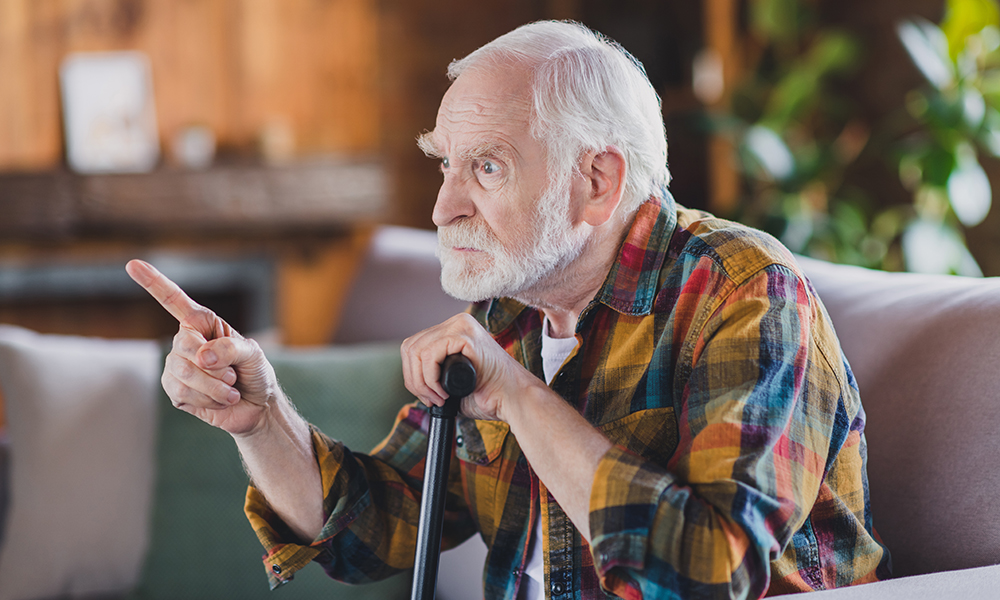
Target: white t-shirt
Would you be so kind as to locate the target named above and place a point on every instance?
(554, 354)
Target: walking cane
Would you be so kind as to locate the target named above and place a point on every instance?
(458, 377)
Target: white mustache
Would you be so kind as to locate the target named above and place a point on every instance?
(467, 234)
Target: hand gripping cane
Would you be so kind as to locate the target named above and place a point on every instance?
(458, 377)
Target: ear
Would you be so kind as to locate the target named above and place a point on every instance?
(604, 174)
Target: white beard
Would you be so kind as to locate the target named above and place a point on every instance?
(549, 245)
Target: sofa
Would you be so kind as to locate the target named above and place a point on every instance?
(111, 493)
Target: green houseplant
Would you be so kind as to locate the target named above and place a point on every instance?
(797, 138)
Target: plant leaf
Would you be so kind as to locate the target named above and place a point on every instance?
(928, 47)
(833, 52)
(990, 134)
(791, 96)
(938, 165)
(932, 247)
(969, 188)
(770, 151)
(967, 17)
(775, 19)
(973, 107)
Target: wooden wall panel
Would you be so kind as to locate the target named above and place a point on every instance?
(721, 36)
(189, 46)
(306, 66)
(30, 132)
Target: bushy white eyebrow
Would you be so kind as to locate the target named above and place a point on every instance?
(425, 141)
(484, 149)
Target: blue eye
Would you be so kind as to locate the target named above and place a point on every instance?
(445, 162)
(489, 167)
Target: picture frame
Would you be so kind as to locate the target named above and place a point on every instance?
(109, 113)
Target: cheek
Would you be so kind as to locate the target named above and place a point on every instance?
(500, 215)
(512, 213)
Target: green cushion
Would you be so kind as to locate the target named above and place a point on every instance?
(202, 544)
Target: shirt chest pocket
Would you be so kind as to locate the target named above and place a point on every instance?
(650, 433)
(479, 447)
(479, 442)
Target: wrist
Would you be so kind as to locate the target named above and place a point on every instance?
(277, 416)
(517, 408)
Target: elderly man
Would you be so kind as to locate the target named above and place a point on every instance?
(662, 409)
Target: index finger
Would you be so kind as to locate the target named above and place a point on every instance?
(166, 292)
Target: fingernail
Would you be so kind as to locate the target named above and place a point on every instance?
(208, 358)
(234, 396)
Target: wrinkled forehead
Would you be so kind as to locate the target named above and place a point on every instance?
(481, 102)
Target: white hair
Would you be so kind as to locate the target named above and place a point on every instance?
(589, 93)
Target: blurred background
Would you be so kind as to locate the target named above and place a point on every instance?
(249, 147)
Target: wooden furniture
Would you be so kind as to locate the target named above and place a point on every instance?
(305, 72)
(269, 248)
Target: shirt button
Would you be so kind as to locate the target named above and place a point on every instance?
(557, 589)
(459, 441)
(276, 569)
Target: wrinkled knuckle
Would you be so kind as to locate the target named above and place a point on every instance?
(221, 346)
(183, 370)
(220, 392)
(188, 347)
(205, 313)
(252, 346)
(185, 343)
(183, 395)
(173, 390)
(465, 320)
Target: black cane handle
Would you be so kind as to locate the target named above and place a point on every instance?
(458, 378)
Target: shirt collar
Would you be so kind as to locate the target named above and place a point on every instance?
(633, 281)
(631, 286)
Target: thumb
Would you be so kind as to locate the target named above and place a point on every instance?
(255, 377)
(228, 351)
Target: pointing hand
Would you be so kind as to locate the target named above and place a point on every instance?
(212, 372)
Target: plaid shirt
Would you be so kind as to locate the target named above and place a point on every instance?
(739, 460)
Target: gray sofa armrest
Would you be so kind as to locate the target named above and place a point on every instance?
(982, 583)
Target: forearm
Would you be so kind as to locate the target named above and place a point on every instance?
(569, 455)
(281, 463)
(561, 446)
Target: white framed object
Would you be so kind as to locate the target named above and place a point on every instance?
(108, 112)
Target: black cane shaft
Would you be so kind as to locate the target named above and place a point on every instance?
(432, 508)
(458, 378)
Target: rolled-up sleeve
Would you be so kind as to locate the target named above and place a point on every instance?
(372, 506)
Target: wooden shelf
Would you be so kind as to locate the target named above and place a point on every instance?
(315, 195)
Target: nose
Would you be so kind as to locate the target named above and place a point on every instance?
(453, 202)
